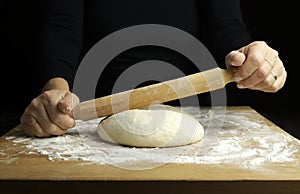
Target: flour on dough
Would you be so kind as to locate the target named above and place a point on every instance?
(155, 126)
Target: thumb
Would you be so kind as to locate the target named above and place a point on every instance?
(235, 59)
(67, 103)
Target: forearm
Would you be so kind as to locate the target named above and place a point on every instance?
(59, 40)
(228, 30)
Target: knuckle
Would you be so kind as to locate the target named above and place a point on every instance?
(45, 97)
(261, 74)
(26, 111)
(253, 43)
(261, 43)
(46, 94)
(23, 118)
(275, 52)
(264, 43)
(34, 104)
(27, 118)
(255, 60)
(29, 110)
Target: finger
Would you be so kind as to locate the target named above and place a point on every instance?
(27, 118)
(235, 59)
(31, 127)
(60, 119)
(281, 78)
(255, 55)
(257, 77)
(278, 84)
(67, 103)
(36, 116)
(266, 83)
(271, 88)
(275, 79)
(34, 130)
(272, 57)
(45, 122)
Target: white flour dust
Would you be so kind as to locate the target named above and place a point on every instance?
(238, 141)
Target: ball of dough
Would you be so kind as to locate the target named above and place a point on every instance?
(159, 126)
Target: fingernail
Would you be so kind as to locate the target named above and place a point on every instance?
(232, 62)
(237, 79)
(234, 52)
(68, 109)
(65, 107)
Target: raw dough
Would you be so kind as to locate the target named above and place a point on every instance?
(155, 126)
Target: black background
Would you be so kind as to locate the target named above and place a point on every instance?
(275, 22)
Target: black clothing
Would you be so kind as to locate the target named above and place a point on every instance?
(69, 28)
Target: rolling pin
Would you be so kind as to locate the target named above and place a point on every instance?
(193, 84)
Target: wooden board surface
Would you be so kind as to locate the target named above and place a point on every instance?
(275, 158)
(248, 152)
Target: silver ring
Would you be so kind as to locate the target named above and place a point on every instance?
(274, 75)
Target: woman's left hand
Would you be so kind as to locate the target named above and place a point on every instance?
(257, 67)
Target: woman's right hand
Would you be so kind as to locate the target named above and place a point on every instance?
(49, 113)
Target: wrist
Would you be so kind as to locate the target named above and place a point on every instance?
(56, 84)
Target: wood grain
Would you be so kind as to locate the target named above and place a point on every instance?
(197, 83)
(16, 165)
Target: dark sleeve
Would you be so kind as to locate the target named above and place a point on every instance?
(60, 39)
(3, 26)
(227, 30)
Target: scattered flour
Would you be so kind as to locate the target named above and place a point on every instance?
(237, 140)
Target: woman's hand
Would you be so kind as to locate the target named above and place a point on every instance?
(49, 113)
(257, 67)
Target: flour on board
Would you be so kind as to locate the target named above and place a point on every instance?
(240, 141)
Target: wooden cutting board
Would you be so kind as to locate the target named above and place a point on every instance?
(249, 151)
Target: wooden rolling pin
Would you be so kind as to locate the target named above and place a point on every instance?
(157, 93)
